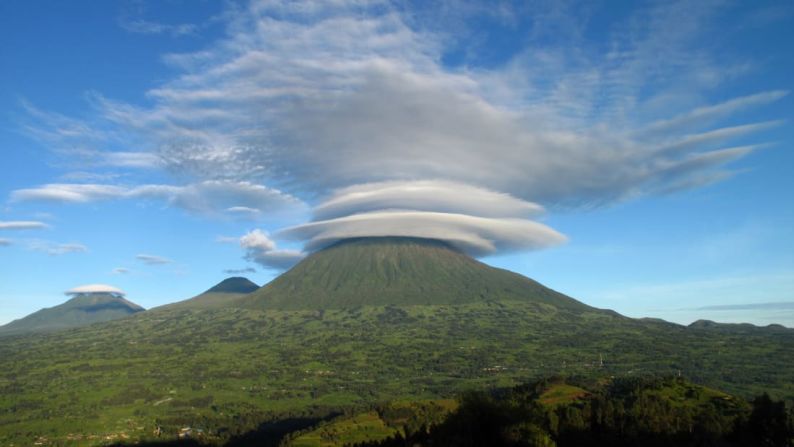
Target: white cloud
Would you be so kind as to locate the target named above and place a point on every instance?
(22, 225)
(86, 177)
(424, 195)
(351, 101)
(130, 159)
(153, 260)
(474, 220)
(347, 94)
(244, 212)
(207, 197)
(66, 192)
(56, 249)
(257, 240)
(276, 259)
(260, 248)
(95, 288)
(147, 27)
(5, 242)
(477, 236)
(120, 271)
(239, 271)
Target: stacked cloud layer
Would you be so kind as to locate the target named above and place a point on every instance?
(474, 220)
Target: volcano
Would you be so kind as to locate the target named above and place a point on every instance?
(401, 272)
(220, 295)
(83, 309)
(356, 324)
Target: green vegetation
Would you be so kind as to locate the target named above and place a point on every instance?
(225, 371)
(621, 412)
(81, 310)
(275, 361)
(235, 284)
(397, 271)
(396, 419)
(561, 394)
(223, 294)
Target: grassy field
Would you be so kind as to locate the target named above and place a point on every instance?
(226, 371)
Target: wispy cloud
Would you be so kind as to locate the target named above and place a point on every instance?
(208, 197)
(372, 103)
(22, 225)
(5, 242)
(245, 212)
(752, 306)
(719, 290)
(320, 98)
(120, 271)
(153, 260)
(148, 27)
(56, 249)
(240, 271)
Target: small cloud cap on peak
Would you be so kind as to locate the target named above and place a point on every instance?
(95, 288)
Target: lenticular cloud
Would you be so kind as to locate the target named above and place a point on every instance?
(474, 220)
(90, 289)
(350, 104)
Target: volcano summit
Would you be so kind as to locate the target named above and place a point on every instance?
(398, 271)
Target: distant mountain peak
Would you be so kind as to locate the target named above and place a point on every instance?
(221, 295)
(82, 309)
(235, 284)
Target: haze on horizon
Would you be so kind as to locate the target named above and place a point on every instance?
(633, 157)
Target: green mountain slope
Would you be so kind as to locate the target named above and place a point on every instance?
(228, 370)
(225, 293)
(307, 345)
(79, 311)
(397, 271)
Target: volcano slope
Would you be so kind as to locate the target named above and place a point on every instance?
(358, 323)
(81, 310)
(218, 296)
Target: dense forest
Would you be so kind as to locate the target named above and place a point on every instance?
(626, 412)
(552, 412)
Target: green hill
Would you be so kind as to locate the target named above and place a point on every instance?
(400, 272)
(225, 293)
(427, 323)
(83, 309)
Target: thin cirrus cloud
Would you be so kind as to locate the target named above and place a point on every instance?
(5, 242)
(153, 260)
(349, 105)
(22, 225)
(782, 305)
(369, 101)
(207, 197)
(56, 249)
(240, 271)
(153, 28)
(120, 271)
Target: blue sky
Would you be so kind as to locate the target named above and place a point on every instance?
(634, 155)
